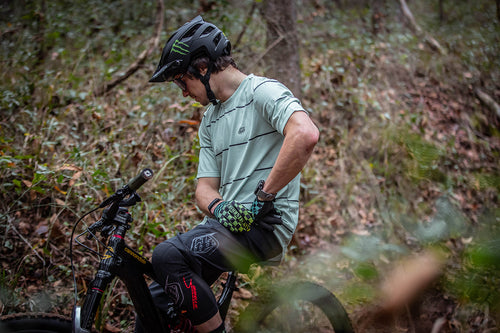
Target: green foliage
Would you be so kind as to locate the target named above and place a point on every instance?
(425, 158)
(477, 280)
(386, 180)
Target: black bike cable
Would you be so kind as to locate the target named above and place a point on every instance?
(71, 252)
(85, 246)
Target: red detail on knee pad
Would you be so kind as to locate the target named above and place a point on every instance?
(194, 295)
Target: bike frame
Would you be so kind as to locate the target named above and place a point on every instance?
(129, 266)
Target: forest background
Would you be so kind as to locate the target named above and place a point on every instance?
(406, 174)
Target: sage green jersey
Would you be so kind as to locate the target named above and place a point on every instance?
(240, 140)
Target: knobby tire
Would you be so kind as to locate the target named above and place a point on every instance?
(35, 323)
(258, 317)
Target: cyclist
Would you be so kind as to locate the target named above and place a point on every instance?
(255, 138)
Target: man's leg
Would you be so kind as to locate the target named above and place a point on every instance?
(214, 325)
(183, 283)
(189, 263)
(161, 300)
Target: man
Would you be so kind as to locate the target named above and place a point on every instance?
(255, 139)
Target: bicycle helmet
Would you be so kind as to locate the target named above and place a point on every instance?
(193, 40)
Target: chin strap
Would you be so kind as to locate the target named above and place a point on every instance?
(205, 79)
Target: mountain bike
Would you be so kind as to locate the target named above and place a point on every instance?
(295, 307)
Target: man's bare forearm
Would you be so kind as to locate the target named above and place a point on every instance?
(206, 191)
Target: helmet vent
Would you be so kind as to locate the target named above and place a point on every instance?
(207, 31)
(217, 39)
(191, 31)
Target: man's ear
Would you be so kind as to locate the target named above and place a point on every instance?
(203, 69)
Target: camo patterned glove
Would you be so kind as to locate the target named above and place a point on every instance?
(234, 216)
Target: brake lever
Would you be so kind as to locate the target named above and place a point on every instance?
(131, 200)
(107, 230)
(94, 227)
(119, 195)
(106, 218)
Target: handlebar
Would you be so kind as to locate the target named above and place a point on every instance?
(118, 200)
(139, 180)
(130, 188)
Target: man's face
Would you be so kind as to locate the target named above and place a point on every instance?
(192, 87)
(179, 82)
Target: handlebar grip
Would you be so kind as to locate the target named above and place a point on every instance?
(140, 179)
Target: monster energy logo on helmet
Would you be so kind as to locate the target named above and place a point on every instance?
(180, 47)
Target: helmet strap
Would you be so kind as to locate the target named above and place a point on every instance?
(205, 79)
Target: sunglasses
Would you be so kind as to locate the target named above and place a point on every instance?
(181, 84)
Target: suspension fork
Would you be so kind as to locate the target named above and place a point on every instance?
(83, 318)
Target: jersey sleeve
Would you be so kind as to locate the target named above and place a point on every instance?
(276, 103)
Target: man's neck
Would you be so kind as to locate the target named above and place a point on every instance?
(225, 83)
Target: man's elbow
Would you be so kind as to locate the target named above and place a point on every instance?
(199, 193)
(311, 137)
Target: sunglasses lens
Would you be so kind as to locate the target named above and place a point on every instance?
(180, 84)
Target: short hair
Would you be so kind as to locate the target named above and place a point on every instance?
(220, 64)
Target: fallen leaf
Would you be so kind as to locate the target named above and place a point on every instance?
(189, 122)
(41, 229)
(243, 294)
(24, 228)
(75, 178)
(70, 167)
(59, 190)
(111, 328)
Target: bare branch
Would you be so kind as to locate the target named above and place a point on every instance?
(263, 54)
(488, 101)
(433, 43)
(247, 21)
(153, 44)
(409, 16)
(13, 227)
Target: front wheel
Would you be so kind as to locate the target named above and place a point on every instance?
(35, 323)
(297, 307)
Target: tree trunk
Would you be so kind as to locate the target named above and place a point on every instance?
(282, 53)
(377, 16)
(498, 10)
(441, 11)
(41, 23)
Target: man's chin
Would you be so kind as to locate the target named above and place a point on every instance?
(198, 100)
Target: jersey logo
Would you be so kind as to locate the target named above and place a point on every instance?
(180, 47)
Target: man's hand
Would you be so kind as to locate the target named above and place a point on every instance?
(234, 216)
(237, 218)
(265, 214)
(260, 208)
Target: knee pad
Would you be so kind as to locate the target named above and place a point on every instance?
(167, 259)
